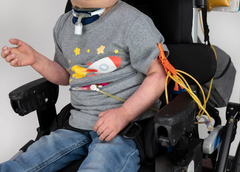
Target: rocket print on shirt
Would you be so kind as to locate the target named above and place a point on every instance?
(102, 66)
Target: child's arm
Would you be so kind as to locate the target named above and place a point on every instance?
(24, 55)
(112, 121)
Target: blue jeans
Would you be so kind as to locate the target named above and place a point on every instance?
(52, 153)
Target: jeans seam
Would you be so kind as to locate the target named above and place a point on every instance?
(59, 155)
(127, 159)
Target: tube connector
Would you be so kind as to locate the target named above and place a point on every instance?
(209, 125)
(94, 87)
(78, 28)
(79, 25)
(198, 117)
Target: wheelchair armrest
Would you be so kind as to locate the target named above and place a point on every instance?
(37, 95)
(175, 119)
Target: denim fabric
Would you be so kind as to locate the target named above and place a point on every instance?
(53, 152)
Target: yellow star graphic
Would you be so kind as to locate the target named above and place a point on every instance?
(101, 49)
(116, 51)
(77, 51)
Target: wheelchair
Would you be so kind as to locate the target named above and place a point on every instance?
(168, 142)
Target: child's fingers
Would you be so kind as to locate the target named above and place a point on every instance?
(14, 62)
(97, 124)
(101, 130)
(16, 42)
(10, 58)
(110, 136)
(5, 52)
(105, 135)
(4, 48)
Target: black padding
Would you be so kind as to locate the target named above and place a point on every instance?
(36, 95)
(68, 6)
(197, 60)
(174, 20)
(63, 116)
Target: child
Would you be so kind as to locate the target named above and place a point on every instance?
(114, 49)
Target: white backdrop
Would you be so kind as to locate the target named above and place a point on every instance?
(33, 22)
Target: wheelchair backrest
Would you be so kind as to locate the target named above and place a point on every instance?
(172, 18)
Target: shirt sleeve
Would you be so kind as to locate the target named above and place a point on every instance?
(142, 42)
(59, 56)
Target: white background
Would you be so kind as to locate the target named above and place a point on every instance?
(33, 22)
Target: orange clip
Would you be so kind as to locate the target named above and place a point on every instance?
(167, 66)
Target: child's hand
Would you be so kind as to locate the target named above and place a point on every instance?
(23, 55)
(111, 122)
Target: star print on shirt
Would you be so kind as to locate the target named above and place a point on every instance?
(77, 51)
(101, 49)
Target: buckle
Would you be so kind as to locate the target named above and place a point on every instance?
(131, 131)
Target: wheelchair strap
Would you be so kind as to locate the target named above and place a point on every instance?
(205, 26)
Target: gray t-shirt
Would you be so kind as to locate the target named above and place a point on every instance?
(116, 49)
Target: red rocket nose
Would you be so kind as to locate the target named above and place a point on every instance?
(116, 60)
